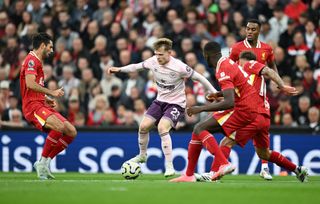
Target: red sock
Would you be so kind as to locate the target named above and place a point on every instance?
(194, 150)
(264, 161)
(282, 161)
(51, 141)
(63, 143)
(210, 143)
(226, 152)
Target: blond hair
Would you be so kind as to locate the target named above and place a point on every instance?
(163, 42)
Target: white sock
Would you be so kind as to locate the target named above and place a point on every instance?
(143, 142)
(264, 166)
(48, 161)
(166, 145)
(43, 159)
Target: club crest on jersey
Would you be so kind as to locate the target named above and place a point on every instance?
(173, 75)
(263, 56)
(188, 69)
(222, 74)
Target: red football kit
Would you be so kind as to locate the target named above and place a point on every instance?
(263, 51)
(232, 76)
(258, 130)
(33, 103)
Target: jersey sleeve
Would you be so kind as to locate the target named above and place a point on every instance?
(186, 71)
(148, 63)
(225, 76)
(234, 54)
(253, 67)
(30, 67)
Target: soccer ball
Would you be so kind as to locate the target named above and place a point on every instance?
(130, 170)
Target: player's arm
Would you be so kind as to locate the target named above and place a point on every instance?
(226, 103)
(271, 74)
(273, 66)
(126, 69)
(198, 77)
(33, 85)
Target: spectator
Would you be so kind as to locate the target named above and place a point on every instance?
(68, 80)
(139, 110)
(75, 113)
(96, 115)
(294, 9)
(301, 113)
(67, 36)
(15, 119)
(313, 117)
(108, 82)
(278, 23)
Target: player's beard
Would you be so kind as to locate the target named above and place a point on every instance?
(250, 40)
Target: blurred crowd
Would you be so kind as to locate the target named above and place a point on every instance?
(89, 36)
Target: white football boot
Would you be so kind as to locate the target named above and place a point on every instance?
(204, 177)
(265, 174)
(40, 167)
(139, 159)
(169, 169)
(302, 173)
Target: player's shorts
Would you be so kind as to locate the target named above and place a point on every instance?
(158, 110)
(258, 131)
(38, 115)
(233, 119)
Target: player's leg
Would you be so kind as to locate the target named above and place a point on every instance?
(201, 134)
(282, 161)
(265, 173)
(172, 114)
(143, 139)
(57, 124)
(164, 128)
(261, 142)
(225, 145)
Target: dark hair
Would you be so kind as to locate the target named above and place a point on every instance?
(255, 21)
(212, 48)
(248, 55)
(40, 38)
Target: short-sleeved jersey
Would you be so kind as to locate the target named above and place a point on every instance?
(170, 79)
(31, 65)
(253, 68)
(263, 51)
(231, 75)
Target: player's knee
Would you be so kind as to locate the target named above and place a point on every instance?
(263, 155)
(198, 128)
(162, 129)
(143, 128)
(73, 131)
(70, 130)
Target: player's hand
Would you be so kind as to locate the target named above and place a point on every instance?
(51, 102)
(193, 110)
(112, 70)
(289, 90)
(213, 97)
(58, 93)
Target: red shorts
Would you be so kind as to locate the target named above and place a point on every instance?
(38, 115)
(258, 131)
(233, 119)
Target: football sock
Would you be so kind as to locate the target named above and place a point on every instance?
(194, 150)
(210, 143)
(143, 142)
(282, 161)
(62, 143)
(226, 152)
(264, 164)
(166, 145)
(50, 143)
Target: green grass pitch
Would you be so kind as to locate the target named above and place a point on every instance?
(154, 189)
